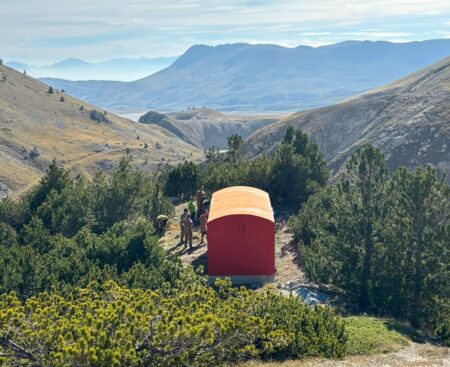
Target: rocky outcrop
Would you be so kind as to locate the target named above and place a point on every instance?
(5, 191)
(152, 117)
(99, 117)
(34, 153)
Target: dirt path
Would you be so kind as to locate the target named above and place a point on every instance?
(414, 355)
(171, 242)
(68, 166)
(286, 263)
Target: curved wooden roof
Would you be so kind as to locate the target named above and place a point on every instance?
(238, 200)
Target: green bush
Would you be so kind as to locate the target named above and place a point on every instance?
(295, 171)
(383, 239)
(67, 232)
(369, 335)
(114, 326)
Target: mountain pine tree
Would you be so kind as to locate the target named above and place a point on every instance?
(418, 229)
(366, 174)
(384, 239)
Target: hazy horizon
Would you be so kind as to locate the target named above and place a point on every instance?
(40, 32)
(126, 68)
(136, 58)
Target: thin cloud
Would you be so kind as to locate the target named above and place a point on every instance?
(43, 30)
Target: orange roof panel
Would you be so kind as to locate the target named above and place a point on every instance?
(237, 200)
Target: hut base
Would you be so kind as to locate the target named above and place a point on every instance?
(244, 279)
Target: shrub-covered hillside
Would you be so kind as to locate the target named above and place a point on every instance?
(84, 282)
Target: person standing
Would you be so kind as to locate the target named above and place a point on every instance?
(183, 216)
(204, 225)
(187, 226)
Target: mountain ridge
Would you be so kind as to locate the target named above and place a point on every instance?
(409, 120)
(246, 77)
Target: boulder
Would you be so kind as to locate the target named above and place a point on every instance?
(34, 153)
(98, 117)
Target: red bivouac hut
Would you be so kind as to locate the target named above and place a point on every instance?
(241, 236)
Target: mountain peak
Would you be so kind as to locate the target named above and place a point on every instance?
(245, 77)
(70, 62)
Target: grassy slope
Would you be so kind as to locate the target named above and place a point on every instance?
(369, 335)
(375, 342)
(30, 117)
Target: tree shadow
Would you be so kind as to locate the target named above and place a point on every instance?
(202, 260)
(173, 248)
(407, 330)
(191, 250)
(292, 248)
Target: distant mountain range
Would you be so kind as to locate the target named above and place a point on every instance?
(409, 120)
(243, 77)
(123, 69)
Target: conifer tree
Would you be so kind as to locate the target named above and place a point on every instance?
(235, 143)
(420, 235)
(366, 174)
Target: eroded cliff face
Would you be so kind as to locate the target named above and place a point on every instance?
(408, 120)
(205, 128)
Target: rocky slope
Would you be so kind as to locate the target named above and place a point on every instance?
(244, 77)
(204, 128)
(409, 120)
(36, 127)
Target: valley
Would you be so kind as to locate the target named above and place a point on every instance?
(407, 119)
(349, 145)
(205, 128)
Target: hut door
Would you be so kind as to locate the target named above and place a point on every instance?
(244, 259)
(244, 252)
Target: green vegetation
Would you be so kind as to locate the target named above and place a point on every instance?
(369, 335)
(182, 180)
(69, 232)
(382, 238)
(197, 326)
(294, 172)
(84, 282)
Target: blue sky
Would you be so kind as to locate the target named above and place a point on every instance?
(36, 31)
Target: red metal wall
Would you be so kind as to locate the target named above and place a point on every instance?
(241, 245)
